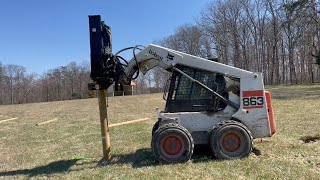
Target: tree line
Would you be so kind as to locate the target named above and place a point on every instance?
(280, 38)
(61, 83)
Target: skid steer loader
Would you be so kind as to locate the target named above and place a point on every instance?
(206, 102)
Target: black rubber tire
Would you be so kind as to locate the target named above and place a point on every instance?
(230, 140)
(162, 140)
(155, 127)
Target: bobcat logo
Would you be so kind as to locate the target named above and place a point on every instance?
(155, 55)
(170, 57)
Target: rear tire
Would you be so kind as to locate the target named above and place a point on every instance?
(172, 143)
(230, 140)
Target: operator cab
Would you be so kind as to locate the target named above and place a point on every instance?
(183, 95)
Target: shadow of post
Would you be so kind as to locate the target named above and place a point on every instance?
(140, 158)
(51, 168)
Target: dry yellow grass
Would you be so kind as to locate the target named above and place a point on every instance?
(50, 151)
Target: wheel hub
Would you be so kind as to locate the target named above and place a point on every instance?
(231, 142)
(172, 145)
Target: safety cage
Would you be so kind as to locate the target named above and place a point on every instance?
(183, 95)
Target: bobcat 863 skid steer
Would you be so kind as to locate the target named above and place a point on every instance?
(206, 102)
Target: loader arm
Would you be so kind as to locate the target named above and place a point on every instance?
(157, 56)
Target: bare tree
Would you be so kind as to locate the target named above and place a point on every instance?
(14, 75)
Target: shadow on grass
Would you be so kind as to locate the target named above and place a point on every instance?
(309, 139)
(144, 157)
(51, 168)
(202, 153)
(138, 159)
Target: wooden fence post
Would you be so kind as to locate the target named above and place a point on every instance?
(105, 138)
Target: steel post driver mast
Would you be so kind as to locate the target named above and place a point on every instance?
(206, 102)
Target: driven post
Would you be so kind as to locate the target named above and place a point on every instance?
(105, 138)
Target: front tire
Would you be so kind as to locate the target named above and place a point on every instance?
(230, 140)
(172, 143)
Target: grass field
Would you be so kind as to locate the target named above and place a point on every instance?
(51, 150)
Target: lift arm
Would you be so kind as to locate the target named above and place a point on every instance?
(165, 58)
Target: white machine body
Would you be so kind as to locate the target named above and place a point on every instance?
(251, 99)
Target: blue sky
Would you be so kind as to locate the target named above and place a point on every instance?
(41, 34)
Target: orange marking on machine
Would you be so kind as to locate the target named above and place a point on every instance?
(253, 107)
(272, 122)
(252, 93)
